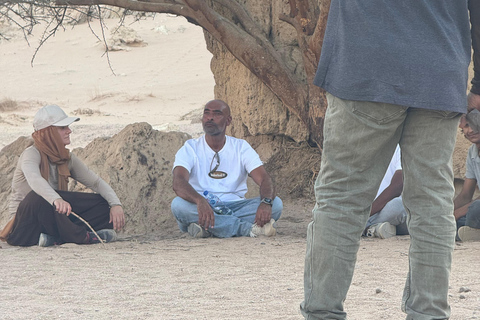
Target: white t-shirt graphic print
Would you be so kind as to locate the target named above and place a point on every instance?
(237, 160)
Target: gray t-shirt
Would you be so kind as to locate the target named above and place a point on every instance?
(413, 53)
(473, 164)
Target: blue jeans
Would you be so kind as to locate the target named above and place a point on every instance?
(359, 141)
(472, 218)
(235, 225)
(393, 213)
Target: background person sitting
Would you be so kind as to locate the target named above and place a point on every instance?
(221, 164)
(467, 210)
(387, 215)
(40, 201)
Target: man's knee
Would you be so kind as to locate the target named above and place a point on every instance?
(176, 205)
(473, 215)
(474, 208)
(277, 207)
(181, 207)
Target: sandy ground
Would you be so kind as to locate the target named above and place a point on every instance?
(175, 278)
(183, 278)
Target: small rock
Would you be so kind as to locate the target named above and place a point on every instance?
(378, 290)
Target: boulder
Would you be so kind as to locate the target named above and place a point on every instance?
(137, 163)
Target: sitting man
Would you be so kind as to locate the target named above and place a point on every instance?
(467, 210)
(388, 215)
(220, 164)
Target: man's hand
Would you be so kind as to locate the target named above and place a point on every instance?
(473, 101)
(62, 206)
(184, 190)
(206, 219)
(264, 214)
(117, 217)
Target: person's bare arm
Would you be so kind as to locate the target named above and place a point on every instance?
(391, 192)
(267, 190)
(184, 190)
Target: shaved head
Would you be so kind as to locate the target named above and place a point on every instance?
(216, 118)
(218, 105)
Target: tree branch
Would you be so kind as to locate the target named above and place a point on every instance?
(173, 7)
(51, 33)
(257, 54)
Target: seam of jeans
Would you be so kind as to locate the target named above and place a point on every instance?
(406, 294)
(378, 121)
(307, 299)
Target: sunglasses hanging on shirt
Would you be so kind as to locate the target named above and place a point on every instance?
(214, 174)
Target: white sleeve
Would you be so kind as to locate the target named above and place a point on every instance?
(185, 157)
(250, 158)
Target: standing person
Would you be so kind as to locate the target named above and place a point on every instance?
(395, 72)
(220, 164)
(40, 201)
(467, 209)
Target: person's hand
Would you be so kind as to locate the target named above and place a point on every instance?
(264, 214)
(117, 217)
(62, 206)
(206, 219)
(473, 101)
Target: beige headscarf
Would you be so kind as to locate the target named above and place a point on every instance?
(52, 149)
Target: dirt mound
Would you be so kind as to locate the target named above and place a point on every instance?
(137, 163)
(8, 161)
(293, 166)
(124, 37)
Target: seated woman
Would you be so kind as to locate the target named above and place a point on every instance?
(40, 200)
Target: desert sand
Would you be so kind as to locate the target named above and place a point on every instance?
(160, 78)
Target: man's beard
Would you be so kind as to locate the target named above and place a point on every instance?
(212, 130)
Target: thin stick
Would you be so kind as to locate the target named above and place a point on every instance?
(88, 225)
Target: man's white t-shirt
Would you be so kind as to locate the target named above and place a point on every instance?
(395, 164)
(237, 160)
